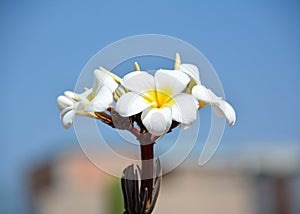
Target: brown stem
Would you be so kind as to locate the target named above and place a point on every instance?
(146, 140)
(147, 155)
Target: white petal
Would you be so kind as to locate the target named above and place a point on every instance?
(101, 101)
(171, 81)
(157, 120)
(67, 119)
(185, 109)
(63, 102)
(203, 94)
(65, 110)
(71, 95)
(190, 70)
(185, 126)
(138, 81)
(130, 104)
(225, 110)
(102, 78)
(84, 98)
(85, 94)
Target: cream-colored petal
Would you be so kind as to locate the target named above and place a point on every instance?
(192, 71)
(63, 102)
(171, 82)
(201, 93)
(157, 120)
(225, 110)
(102, 78)
(130, 104)
(101, 101)
(185, 109)
(138, 81)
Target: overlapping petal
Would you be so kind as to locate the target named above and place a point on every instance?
(102, 78)
(98, 98)
(185, 109)
(101, 101)
(171, 81)
(67, 112)
(67, 118)
(71, 95)
(63, 102)
(225, 110)
(157, 120)
(191, 70)
(203, 94)
(220, 107)
(130, 104)
(138, 81)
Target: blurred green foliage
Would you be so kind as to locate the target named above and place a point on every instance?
(115, 198)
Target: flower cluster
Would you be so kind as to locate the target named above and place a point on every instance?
(159, 100)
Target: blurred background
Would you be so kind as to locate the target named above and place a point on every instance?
(254, 47)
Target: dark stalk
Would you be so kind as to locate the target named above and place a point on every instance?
(147, 157)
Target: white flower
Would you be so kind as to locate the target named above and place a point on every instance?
(206, 97)
(159, 98)
(96, 99)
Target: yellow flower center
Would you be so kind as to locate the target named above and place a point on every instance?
(161, 98)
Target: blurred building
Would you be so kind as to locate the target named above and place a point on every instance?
(72, 184)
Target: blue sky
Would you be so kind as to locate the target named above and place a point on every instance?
(253, 45)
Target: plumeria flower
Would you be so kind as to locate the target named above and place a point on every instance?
(206, 96)
(160, 98)
(96, 99)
